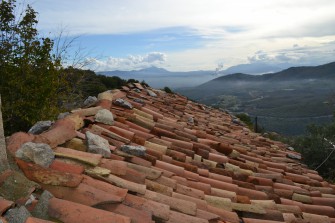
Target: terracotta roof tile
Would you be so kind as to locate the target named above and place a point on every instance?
(176, 217)
(252, 220)
(159, 210)
(44, 175)
(192, 192)
(63, 130)
(88, 158)
(83, 194)
(67, 211)
(207, 215)
(131, 186)
(36, 220)
(224, 215)
(159, 188)
(198, 166)
(66, 167)
(200, 203)
(174, 203)
(137, 216)
(5, 205)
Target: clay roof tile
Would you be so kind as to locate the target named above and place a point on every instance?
(198, 167)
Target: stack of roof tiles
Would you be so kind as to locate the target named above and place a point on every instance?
(200, 165)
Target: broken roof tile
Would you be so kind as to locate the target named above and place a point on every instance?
(44, 175)
(66, 167)
(14, 185)
(15, 141)
(63, 130)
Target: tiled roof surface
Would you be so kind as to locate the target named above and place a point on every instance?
(167, 159)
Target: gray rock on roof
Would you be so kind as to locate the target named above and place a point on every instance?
(39, 153)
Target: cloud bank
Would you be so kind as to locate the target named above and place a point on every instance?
(132, 62)
(197, 34)
(296, 55)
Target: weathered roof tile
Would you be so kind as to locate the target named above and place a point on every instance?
(5, 205)
(174, 203)
(67, 211)
(49, 176)
(159, 210)
(89, 158)
(83, 194)
(196, 164)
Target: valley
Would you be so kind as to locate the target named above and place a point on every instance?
(285, 102)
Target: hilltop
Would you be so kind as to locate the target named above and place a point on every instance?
(285, 101)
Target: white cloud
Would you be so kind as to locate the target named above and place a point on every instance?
(297, 56)
(114, 16)
(233, 29)
(132, 62)
(238, 49)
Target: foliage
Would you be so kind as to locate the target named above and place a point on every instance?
(246, 119)
(167, 90)
(315, 148)
(30, 83)
(132, 81)
(33, 84)
(144, 84)
(86, 83)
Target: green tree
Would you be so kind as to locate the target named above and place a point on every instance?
(31, 84)
(84, 83)
(246, 119)
(316, 149)
(167, 90)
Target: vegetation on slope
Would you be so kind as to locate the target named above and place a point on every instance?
(285, 102)
(33, 84)
(317, 148)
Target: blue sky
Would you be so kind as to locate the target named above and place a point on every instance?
(172, 39)
(184, 35)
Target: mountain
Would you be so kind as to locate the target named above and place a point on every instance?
(159, 77)
(292, 73)
(254, 68)
(284, 101)
(146, 71)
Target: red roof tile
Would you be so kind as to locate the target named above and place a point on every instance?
(89, 158)
(5, 205)
(83, 194)
(67, 211)
(159, 210)
(44, 175)
(66, 167)
(198, 167)
(36, 220)
(137, 216)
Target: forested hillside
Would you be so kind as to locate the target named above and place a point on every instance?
(285, 102)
